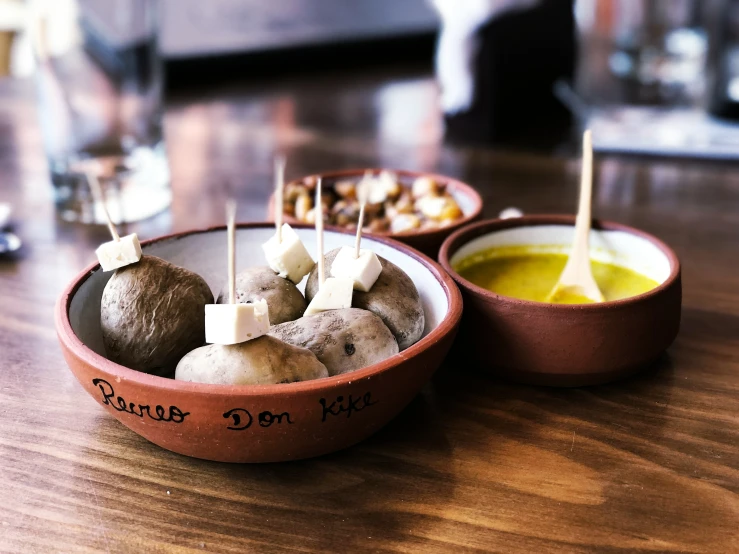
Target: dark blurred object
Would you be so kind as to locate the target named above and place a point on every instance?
(723, 59)
(220, 40)
(522, 54)
(195, 28)
(352, 56)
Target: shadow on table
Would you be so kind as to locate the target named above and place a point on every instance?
(369, 490)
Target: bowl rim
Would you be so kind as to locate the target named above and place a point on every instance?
(461, 186)
(74, 344)
(536, 220)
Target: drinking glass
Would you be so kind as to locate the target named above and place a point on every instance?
(99, 82)
(655, 49)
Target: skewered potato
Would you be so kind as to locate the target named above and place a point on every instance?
(283, 298)
(262, 361)
(393, 297)
(151, 314)
(343, 340)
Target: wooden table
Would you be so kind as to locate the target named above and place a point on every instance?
(650, 464)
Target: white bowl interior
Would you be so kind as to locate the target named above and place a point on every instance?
(205, 254)
(465, 202)
(614, 247)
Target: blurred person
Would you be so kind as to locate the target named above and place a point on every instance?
(497, 62)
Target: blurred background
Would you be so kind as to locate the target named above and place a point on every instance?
(146, 93)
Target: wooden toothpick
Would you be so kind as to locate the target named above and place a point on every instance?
(362, 194)
(231, 225)
(98, 196)
(319, 234)
(279, 188)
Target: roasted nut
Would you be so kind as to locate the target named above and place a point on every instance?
(310, 182)
(302, 205)
(338, 206)
(451, 210)
(404, 204)
(430, 206)
(327, 199)
(292, 191)
(346, 212)
(438, 207)
(377, 193)
(388, 182)
(424, 186)
(394, 190)
(379, 225)
(404, 222)
(346, 189)
(372, 210)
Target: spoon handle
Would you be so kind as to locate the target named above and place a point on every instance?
(581, 242)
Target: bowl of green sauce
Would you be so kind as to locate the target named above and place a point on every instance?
(506, 269)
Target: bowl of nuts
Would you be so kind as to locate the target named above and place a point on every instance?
(419, 209)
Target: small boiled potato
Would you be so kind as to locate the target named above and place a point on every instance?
(284, 300)
(152, 313)
(393, 297)
(343, 340)
(261, 361)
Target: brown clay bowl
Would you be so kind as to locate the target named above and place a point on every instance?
(427, 241)
(255, 423)
(566, 345)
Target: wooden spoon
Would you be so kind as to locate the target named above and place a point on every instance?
(576, 284)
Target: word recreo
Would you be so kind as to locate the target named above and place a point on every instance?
(118, 403)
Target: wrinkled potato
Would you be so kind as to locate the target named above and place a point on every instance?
(343, 340)
(261, 361)
(284, 299)
(152, 314)
(393, 297)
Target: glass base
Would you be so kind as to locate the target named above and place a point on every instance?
(136, 185)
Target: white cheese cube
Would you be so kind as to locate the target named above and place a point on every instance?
(119, 253)
(334, 294)
(235, 323)
(288, 258)
(363, 271)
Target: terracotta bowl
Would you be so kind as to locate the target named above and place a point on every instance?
(255, 423)
(566, 345)
(427, 241)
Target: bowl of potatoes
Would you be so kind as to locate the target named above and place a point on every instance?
(418, 209)
(312, 384)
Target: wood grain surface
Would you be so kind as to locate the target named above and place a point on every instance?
(650, 464)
